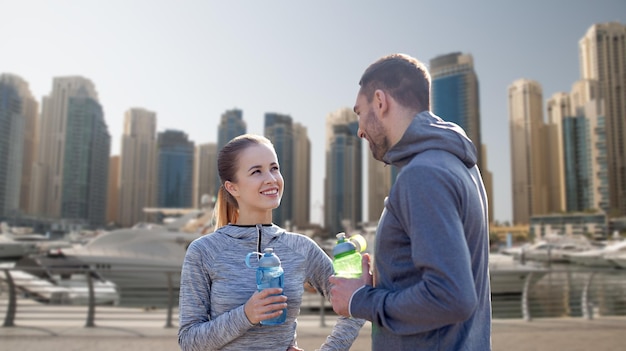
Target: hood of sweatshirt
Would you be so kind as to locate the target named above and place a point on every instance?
(428, 132)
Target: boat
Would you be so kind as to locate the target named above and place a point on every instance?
(12, 249)
(509, 276)
(597, 257)
(552, 249)
(144, 261)
(55, 282)
(618, 259)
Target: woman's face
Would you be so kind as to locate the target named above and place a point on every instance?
(259, 184)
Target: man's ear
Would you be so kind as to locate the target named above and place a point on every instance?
(231, 188)
(381, 102)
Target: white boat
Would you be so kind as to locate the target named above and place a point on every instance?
(65, 285)
(11, 249)
(618, 259)
(144, 262)
(508, 275)
(552, 249)
(597, 257)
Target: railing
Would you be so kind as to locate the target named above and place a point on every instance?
(562, 291)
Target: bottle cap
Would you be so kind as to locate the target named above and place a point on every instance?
(269, 259)
(343, 245)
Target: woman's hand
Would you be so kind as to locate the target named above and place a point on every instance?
(265, 304)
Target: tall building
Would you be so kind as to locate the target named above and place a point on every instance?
(279, 129)
(71, 117)
(11, 145)
(204, 172)
(175, 169)
(113, 196)
(231, 125)
(558, 109)
(585, 150)
(603, 58)
(85, 161)
(455, 95)
(529, 186)
(343, 205)
(301, 176)
(138, 166)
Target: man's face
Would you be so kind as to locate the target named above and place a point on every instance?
(370, 127)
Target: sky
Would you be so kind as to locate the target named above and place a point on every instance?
(190, 61)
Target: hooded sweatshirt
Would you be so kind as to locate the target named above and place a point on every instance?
(432, 289)
(216, 283)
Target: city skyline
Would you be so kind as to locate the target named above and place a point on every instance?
(189, 63)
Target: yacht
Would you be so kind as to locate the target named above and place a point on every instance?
(553, 249)
(508, 275)
(58, 283)
(598, 257)
(11, 249)
(144, 262)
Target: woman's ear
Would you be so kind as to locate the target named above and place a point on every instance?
(231, 188)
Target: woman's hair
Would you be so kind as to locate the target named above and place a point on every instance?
(226, 206)
(405, 78)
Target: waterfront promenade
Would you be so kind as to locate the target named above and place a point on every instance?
(52, 332)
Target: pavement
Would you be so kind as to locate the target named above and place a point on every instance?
(148, 333)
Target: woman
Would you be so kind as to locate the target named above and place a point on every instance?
(220, 308)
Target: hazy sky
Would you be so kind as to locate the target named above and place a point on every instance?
(189, 61)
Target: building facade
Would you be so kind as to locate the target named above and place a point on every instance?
(138, 166)
(204, 173)
(175, 170)
(529, 188)
(279, 129)
(301, 176)
(603, 58)
(343, 193)
(231, 125)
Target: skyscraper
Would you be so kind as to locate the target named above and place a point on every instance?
(455, 95)
(204, 172)
(175, 169)
(11, 144)
(558, 109)
(343, 184)
(603, 58)
(138, 166)
(301, 176)
(586, 178)
(47, 191)
(231, 125)
(85, 161)
(527, 161)
(279, 129)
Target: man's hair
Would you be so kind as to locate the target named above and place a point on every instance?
(403, 77)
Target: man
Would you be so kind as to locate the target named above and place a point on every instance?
(430, 289)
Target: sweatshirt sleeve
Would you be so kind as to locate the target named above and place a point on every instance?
(197, 331)
(346, 330)
(425, 205)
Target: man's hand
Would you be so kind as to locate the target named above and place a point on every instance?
(343, 288)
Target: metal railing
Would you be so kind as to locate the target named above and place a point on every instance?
(561, 291)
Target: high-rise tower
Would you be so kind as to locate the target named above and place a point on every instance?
(527, 161)
(603, 58)
(175, 169)
(18, 114)
(231, 125)
(204, 172)
(138, 166)
(343, 184)
(279, 129)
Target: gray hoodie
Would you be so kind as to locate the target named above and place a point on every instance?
(431, 255)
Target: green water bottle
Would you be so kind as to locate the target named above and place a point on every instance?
(347, 257)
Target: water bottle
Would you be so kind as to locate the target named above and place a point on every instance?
(269, 274)
(347, 256)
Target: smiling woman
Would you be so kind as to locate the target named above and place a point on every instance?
(220, 306)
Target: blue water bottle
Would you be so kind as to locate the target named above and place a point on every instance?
(269, 274)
